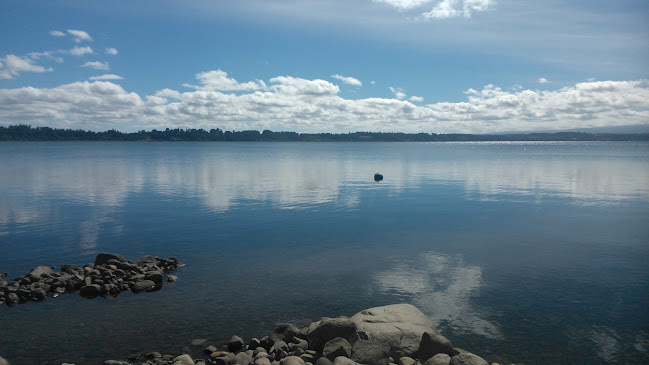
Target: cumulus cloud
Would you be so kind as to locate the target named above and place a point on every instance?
(454, 8)
(57, 33)
(106, 77)
(416, 99)
(398, 93)
(404, 4)
(79, 35)
(313, 105)
(219, 80)
(111, 51)
(12, 65)
(96, 65)
(542, 80)
(348, 80)
(80, 51)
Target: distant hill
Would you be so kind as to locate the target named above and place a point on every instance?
(29, 133)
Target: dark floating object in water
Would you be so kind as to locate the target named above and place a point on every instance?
(378, 177)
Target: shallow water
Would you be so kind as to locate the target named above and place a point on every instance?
(521, 252)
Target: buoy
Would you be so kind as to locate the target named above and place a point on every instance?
(378, 177)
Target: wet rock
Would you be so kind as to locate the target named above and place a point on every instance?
(90, 291)
(337, 347)
(155, 276)
(467, 359)
(439, 359)
(327, 329)
(143, 285)
(400, 325)
(171, 278)
(235, 344)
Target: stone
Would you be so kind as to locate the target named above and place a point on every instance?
(342, 360)
(327, 329)
(374, 351)
(116, 362)
(299, 343)
(198, 342)
(242, 358)
(103, 258)
(254, 343)
(467, 358)
(279, 345)
(323, 361)
(90, 291)
(3, 361)
(406, 361)
(37, 272)
(401, 325)
(432, 344)
(337, 347)
(262, 361)
(235, 344)
(292, 360)
(143, 285)
(183, 359)
(155, 276)
(284, 332)
(209, 349)
(439, 359)
(12, 299)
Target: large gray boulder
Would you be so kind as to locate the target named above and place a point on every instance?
(327, 329)
(398, 326)
(468, 358)
(38, 271)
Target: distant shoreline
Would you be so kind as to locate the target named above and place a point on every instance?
(26, 133)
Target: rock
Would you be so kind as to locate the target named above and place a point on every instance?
(155, 276)
(467, 358)
(143, 285)
(341, 360)
(183, 360)
(329, 328)
(103, 258)
(279, 345)
(153, 355)
(219, 354)
(242, 358)
(337, 347)
(373, 351)
(284, 332)
(299, 343)
(116, 362)
(323, 361)
(406, 361)
(262, 361)
(12, 299)
(401, 325)
(439, 359)
(235, 344)
(90, 291)
(432, 344)
(37, 272)
(292, 360)
(198, 342)
(209, 349)
(3, 361)
(253, 343)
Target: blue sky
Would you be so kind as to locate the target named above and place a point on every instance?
(444, 66)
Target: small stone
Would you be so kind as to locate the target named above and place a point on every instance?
(116, 362)
(171, 278)
(439, 359)
(279, 345)
(153, 355)
(405, 360)
(209, 350)
(292, 360)
(216, 354)
(253, 343)
(183, 359)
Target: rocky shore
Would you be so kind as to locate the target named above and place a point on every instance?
(398, 334)
(108, 276)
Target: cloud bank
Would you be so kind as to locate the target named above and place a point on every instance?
(298, 104)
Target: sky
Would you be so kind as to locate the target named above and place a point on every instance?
(434, 66)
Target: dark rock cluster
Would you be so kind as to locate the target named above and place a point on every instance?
(392, 335)
(108, 276)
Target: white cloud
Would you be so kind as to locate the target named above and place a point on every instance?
(542, 80)
(13, 65)
(106, 77)
(416, 99)
(454, 8)
(219, 80)
(57, 33)
(292, 103)
(96, 65)
(111, 51)
(80, 51)
(398, 93)
(79, 35)
(348, 80)
(404, 4)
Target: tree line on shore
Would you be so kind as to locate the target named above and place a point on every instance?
(28, 133)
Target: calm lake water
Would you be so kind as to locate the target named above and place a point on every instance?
(520, 252)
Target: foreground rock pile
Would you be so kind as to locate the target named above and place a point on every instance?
(108, 276)
(397, 334)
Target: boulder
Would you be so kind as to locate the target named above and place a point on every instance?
(432, 344)
(90, 291)
(103, 258)
(407, 361)
(327, 329)
(143, 285)
(183, 360)
(284, 332)
(439, 359)
(323, 361)
(235, 344)
(292, 360)
(155, 276)
(337, 347)
(3, 361)
(262, 361)
(401, 326)
(36, 273)
(342, 360)
(468, 358)
(373, 351)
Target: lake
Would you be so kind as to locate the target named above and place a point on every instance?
(526, 252)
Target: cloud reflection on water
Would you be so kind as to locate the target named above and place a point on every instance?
(442, 287)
